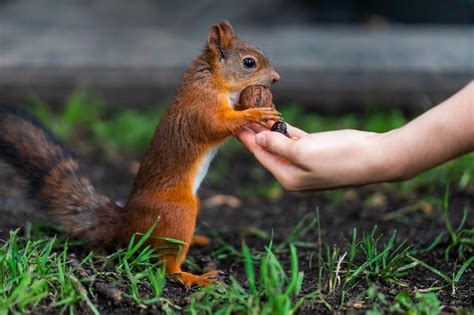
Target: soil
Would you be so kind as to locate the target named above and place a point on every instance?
(360, 208)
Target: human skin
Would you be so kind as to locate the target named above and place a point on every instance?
(344, 158)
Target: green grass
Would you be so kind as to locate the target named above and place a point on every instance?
(425, 304)
(339, 270)
(34, 270)
(381, 260)
(128, 130)
(460, 240)
(46, 273)
(273, 291)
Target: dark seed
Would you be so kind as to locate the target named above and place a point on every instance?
(280, 127)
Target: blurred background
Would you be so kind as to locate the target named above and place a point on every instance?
(99, 74)
(333, 55)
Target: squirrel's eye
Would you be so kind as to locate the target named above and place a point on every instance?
(249, 62)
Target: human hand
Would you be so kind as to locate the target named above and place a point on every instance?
(317, 161)
(351, 157)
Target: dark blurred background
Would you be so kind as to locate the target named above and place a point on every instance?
(333, 55)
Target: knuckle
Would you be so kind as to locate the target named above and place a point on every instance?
(270, 142)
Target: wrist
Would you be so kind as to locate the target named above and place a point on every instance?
(374, 160)
(391, 160)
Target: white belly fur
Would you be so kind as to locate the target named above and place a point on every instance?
(234, 98)
(206, 161)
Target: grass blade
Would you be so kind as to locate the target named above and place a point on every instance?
(431, 268)
(463, 268)
(249, 270)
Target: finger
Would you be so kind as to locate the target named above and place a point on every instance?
(256, 128)
(295, 132)
(292, 131)
(279, 167)
(245, 135)
(283, 170)
(276, 143)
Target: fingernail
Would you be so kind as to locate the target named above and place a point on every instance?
(261, 139)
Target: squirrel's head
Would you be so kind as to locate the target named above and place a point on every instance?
(237, 63)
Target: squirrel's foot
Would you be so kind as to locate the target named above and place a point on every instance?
(200, 240)
(189, 280)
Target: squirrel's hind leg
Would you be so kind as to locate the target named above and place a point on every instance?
(173, 266)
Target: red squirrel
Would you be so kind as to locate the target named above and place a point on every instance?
(164, 192)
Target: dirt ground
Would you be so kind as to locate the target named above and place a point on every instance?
(361, 208)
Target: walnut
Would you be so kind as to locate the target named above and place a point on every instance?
(255, 96)
(260, 96)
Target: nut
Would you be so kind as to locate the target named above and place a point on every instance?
(256, 96)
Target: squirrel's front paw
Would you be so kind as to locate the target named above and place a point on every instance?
(262, 114)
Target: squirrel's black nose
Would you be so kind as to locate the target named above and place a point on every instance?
(275, 76)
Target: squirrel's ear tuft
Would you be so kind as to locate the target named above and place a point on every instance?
(220, 36)
(227, 28)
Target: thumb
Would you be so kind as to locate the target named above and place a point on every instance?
(276, 143)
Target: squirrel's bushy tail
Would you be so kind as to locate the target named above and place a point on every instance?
(55, 179)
